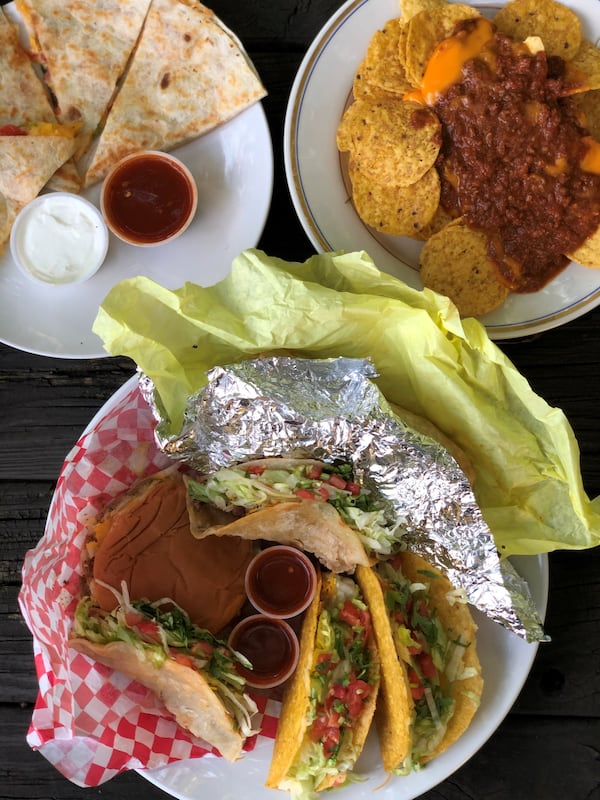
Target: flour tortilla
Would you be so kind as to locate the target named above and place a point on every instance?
(24, 100)
(189, 74)
(185, 692)
(27, 162)
(85, 45)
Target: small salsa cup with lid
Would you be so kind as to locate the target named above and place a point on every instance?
(149, 198)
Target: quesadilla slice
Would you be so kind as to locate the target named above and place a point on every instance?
(24, 100)
(27, 162)
(188, 75)
(83, 47)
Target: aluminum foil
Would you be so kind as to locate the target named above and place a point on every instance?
(333, 411)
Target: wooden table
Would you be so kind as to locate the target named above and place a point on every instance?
(548, 746)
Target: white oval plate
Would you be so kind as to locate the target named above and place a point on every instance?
(319, 95)
(506, 661)
(233, 167)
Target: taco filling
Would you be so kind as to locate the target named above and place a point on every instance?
(434, 657)
(343, 680)
(257, 485)
(162, 633)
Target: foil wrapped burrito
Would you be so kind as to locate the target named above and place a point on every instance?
(332, 410)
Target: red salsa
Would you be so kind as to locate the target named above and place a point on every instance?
(270, 645)
(510, 163)
(280, 581)
(148, 199)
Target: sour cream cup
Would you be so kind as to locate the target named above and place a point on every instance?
(149, 198)
(281, 581)
(271, 646)
(59, 238)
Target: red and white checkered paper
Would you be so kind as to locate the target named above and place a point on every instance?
(92, 722)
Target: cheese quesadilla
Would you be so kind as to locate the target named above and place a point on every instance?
(24, 100)
(83, 48)
(188, 75)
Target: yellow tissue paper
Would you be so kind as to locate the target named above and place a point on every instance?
(526, 459)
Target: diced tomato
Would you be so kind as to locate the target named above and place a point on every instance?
(203, 649)
(12, 130)
(423, 609)
(326, 729)
(398, 617)
(304, 494)
(356, 617)
(324, 492)
(132, 618)
(356, 695)
(337, 481)
(353, 488)
(426, 665)
(182, 658)
(255, 469)
(315, 471)
(416, 687)
(148, 629)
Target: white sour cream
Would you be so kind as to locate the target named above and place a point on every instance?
(59, 238)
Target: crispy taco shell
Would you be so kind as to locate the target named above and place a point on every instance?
(395, 711)
(292, 724)
(185, 692)
(312, 526)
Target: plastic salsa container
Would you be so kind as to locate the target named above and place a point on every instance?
(281, 581)
(270, 645)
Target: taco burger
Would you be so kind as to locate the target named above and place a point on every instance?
(189, 669)
(143, 538)
(430, 672)
(303, 502)
(329, 705)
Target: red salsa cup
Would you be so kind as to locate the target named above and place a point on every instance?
(281, 581)
(270, 645)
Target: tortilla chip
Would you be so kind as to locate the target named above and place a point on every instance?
(409, 8)
(589, 104)
(396, 142)
(382, 60)
(459, 624)
(363, 88)
(588, 254)
(292, 721)
(455, 263)
(587, 59)
(393, 209)
(185, 692)
(395, 704)
(310, 525)
(188, 75)
(557, 26)
(426, 30)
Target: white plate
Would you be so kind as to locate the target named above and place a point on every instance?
(506, 661)
(319, 95)
(233, 167)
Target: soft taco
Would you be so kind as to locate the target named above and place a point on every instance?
(313, 505)
(329, 705)
(191, 671)
(430, 672)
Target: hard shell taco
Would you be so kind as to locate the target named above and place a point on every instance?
(430, 672)
(328, 707)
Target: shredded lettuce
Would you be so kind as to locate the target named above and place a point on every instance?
(233, 487)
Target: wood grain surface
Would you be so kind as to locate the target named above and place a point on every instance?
(549, 745)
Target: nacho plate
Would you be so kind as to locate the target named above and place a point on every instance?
(232, 161)
(319, 184)
(506, 659)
